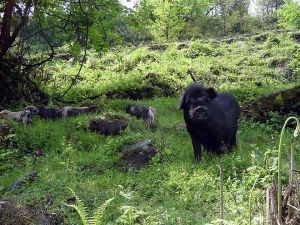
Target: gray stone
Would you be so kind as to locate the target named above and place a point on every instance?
(137, 155)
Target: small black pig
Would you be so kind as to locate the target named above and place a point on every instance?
(107, 127)
(142, 112)
(211, 119)
(49, 113)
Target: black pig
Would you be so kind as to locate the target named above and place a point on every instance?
(107, 127)
(49, 113)
(141, 112)
(211, 119)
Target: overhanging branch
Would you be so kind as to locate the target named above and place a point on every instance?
(85, 51)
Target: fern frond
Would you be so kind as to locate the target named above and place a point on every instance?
(98, 213)
(80, 208)
(81, 212)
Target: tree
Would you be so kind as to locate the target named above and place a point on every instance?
(169, 18)
(45, 25)
(289, 15)
(268, 7)
(173, 19)
(14, 19)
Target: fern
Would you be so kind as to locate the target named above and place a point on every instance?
(80, 208)
(98, 213)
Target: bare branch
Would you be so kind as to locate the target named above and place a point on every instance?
(190, 72)
(7, 39)
(49, 57)
(85, 51)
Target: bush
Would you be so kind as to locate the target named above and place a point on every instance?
(289, 15)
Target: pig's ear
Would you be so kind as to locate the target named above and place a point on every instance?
(181, 104)
(211, 92)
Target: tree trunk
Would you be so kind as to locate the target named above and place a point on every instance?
(6, 23)
(8, 37)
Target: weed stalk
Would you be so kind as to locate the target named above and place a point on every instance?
(279, 193)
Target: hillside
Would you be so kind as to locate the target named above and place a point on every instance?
(248, 66)
(172, 189)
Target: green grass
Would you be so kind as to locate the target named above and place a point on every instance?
(172, 189)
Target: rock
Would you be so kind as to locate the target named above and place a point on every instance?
(137, 155)
(157, 47)
(28, 177)
(139, 145)
(182, 46)
(15, 213)
(287, 72)
(260, 37)
(3, 203)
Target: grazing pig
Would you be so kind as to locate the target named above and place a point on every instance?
(107, 127)
(34, 110)
(24, 116)
(211, 119)
(69, 111)
(49, 113)
(141, 112)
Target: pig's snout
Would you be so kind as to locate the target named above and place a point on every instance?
(199, 113)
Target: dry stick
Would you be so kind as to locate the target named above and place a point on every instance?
(190, 72)
(250, 196)
(267, 205)
(296, 132)
(273, 202)
(221, 193)
(292, 173)
(293, 207)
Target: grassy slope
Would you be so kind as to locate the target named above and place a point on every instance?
(246, 67)
(172, 189)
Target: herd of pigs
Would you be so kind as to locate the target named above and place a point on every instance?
(211, 118)
(99, 124)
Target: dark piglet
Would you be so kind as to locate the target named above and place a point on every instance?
(69, 111)
(211, 119)
(141, 112)
(107, 127)
(49, 113)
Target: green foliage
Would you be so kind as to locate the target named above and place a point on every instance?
(75, 49)
(96, 219)
(169, 19)
(247, 67)
(289, 15)
(133, 216)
